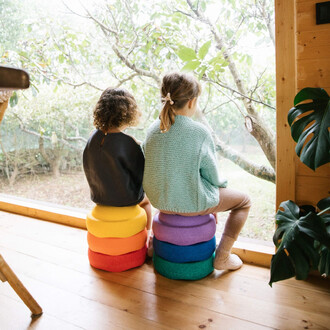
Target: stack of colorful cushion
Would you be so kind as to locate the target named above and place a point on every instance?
(184, 246)
(117, 237)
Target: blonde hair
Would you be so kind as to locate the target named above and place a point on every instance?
(177, 89)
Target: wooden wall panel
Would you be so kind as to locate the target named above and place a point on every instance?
(306, 15)
(313, 73)
(312, 39)
(309, 189)
(308, 52)
(324, 170)
(313, 70)
(285, 91)
(307, 65)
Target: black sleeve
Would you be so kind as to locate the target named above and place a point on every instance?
(135, 163)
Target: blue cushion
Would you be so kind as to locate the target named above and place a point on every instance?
(187, 253)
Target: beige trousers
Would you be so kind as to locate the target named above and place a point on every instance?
(231, 200)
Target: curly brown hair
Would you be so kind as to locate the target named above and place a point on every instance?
(115, 108)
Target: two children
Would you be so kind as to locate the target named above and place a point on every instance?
(180, 172)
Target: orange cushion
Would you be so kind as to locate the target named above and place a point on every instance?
(116, 246)
(117, 263)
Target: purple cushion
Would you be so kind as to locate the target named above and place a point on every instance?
(182, 230)
(183, 221)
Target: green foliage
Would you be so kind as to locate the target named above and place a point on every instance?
(303, 236)
(310, 126)
(13, 100)
(303, 242)
(191, 66)
(204, 49)
(73, 59)
(11, 18)
(197, 61)
(186, 54)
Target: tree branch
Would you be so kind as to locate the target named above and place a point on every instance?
(52, 76)
(126, 79)
(80, 84)
(260, 171)
(133, 67)
(261, 132)
(66, 143)
(42, 149)
(122, 57)
(265, 15)
(239, 93)
(233, 101)
(184, 13)
(76, 138)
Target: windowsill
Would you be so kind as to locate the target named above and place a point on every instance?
(44, 211)
(248, 250)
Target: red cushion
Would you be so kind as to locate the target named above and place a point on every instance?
(117, 263)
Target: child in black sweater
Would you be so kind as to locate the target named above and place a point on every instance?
(113, 161)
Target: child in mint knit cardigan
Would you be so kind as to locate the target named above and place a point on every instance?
(180, 174)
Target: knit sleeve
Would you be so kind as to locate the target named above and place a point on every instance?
(208, 164)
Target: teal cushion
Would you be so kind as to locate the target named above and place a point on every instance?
(183, 271)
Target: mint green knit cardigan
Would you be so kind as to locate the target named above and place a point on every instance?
(180, 173)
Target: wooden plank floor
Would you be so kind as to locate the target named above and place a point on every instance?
(51, 261)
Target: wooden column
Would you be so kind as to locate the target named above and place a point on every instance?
(285, 29)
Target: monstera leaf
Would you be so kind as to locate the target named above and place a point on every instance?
(295, 238)
(309, 126)
(324, 264)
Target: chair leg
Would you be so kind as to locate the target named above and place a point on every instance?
(6, 274)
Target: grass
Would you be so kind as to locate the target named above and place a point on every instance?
(260, 224)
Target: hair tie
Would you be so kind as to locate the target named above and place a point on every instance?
(168, 98)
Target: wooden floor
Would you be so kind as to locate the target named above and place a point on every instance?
(51, 261)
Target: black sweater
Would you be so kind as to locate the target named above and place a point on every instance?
(114, 169)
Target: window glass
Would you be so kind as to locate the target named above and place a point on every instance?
(73, 50)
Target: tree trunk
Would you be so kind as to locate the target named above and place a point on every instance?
(259, 129)
(54, 162)
(260, 171)
(55, 166)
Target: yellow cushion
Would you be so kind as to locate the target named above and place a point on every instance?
(110, 221)
(113, 213)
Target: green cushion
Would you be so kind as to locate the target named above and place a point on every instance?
(183, 271)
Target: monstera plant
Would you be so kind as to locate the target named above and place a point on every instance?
(302, 236)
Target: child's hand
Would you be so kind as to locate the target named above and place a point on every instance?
(150, 247)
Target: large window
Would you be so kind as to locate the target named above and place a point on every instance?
(73, 50)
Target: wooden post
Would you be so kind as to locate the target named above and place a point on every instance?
(6, 274)
(285, 27)
(3, 107)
